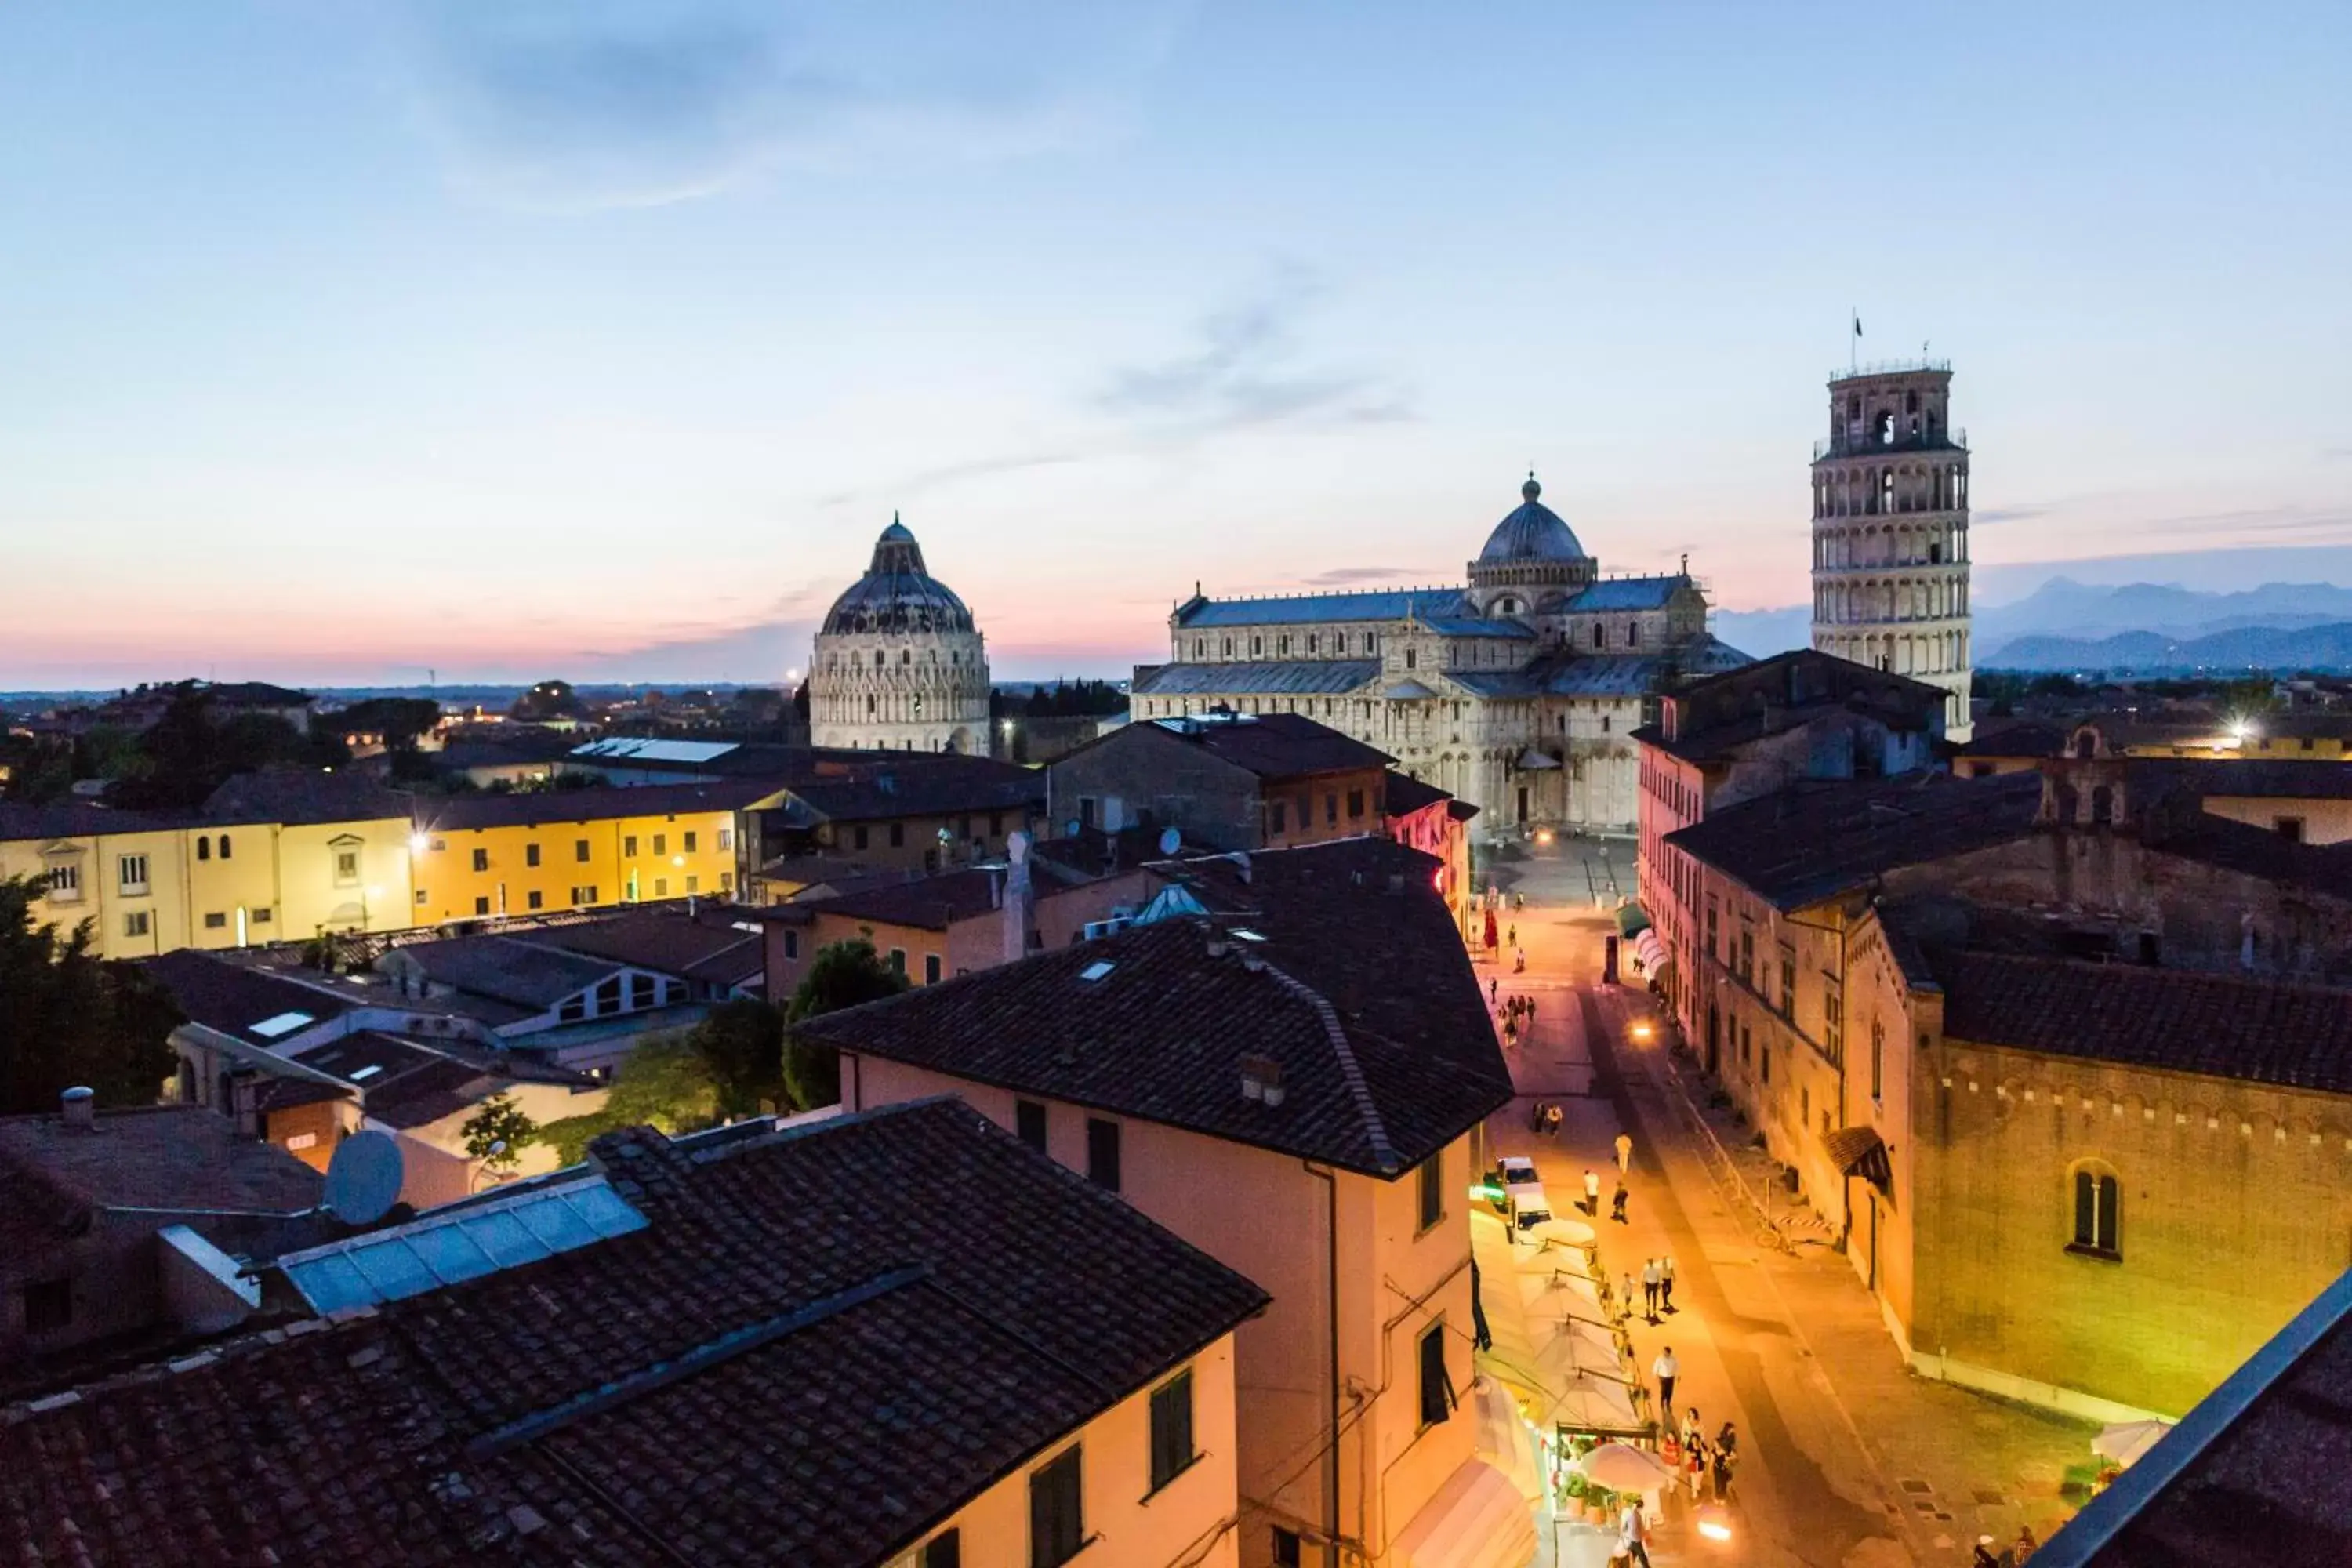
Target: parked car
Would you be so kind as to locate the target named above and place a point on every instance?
(1512, 1172)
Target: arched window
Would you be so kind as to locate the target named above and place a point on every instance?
(1600, 637)
(1632, 634)
(204, 847)
(2098, 1211)
(880, 658)
(224, 846)
(2103, 804)
(1411, 658)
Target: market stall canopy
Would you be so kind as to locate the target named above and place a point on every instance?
(1477, 1520)
(1572, 1233)
(1579, 1348)
(1630, 919)
(2126, 1442)
(1650, 949)
(1561, 1290)
(1859, 1151)
(1622, 1468)
(1600, 1406)
(1504, 1440)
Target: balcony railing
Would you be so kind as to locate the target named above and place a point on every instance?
(1891, 367)
(1865, 444)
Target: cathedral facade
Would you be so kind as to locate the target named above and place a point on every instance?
(899, 663)
(1518, 692)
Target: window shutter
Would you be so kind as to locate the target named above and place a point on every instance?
(2086, 1232)
(2110, 1196)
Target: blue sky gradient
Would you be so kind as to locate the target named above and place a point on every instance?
(524, 339)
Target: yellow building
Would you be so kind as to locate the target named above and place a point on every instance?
(124, 874)
(485, 856)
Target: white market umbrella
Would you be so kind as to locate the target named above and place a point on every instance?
(2127, 1441)
(1622, 1468)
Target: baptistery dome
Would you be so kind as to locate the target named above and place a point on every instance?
(897, 595)
(901, 665)
(1532, 533)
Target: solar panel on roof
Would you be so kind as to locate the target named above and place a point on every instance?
(464, 1244)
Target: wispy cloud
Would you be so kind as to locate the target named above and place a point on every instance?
(2007, 514)
(1241, 371)
(1343, 576)
(573, 104)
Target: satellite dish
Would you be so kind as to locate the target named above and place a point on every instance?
(1071, 828)
(363, 1178)
(1170, 841)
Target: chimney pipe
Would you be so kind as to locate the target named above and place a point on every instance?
(79, 1107)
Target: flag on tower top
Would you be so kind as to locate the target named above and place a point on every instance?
(1857, 323)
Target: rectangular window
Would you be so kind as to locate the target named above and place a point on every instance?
(898, 835)
(215, 921)
(1057, 1525)
(1436, 1391)
(1289, 1551)
(2096, 1203)
(726, 881)
(898, 960)
(1029, 1123)
(535, 899)
(693, 884)
(1877, 1061)
(792, 944)
(49, 1306)
(930, 969)
(661, 843)
(641, 991)
(261, 917)
(1330, 810)
(65, 883)
(860, 836)
(1432, 1183)
(1355, 803)
(689, 843)
(1277, 816)
(580, 849)
(1834, 1018)
(136, 923)
(1172, 1429)
(944, 1550)
(481, 859)
(347, 867)
(661, 887)
(1710, 929)
(131, 873)
(531, 854)
(726, 840)
(420, 898)
(482, 905)
(2289, 828)
(1102, 1152)
(1788, 984)
(1747, 956)
(629, 844)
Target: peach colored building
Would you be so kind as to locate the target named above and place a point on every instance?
(1295, 1085)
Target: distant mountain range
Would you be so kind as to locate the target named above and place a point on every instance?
(2146, 627)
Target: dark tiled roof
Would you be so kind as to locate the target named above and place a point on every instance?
(2014, 738)
(1726, 710)
(1629, 594)
(2259, 777)
(1271, 745)
(506, 969)
(2220, 1026)
(457, 813)
(883, 793)
(304, 798)
(706, 946)
(1363, 995)
(232, 997)
(21, 822)
(926, 904)
(1294, 677)
(2259, 852)
(1818, 838)
(1299, 609)
(163, 1157)
(2258, 1474)
(1405, 794)
(877, 1379)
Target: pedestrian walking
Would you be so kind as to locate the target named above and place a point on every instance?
(1695, 1466)
(1552, 1119)
(1666, 1369)
(1513, 939)
(1624, 1153)
(1649, 1290)
(2025, 1545)
(1719, 1463)
(1480, 1337)
(1667, 1283)
(1536, 1117)
(1519, 960)
(1494, 988)
(1591, 1194)
(1982, 1557)
(1625, 1293)
(1617, 1205)
(1633, 1534)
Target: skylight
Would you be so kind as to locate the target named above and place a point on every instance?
(1096, 970)
(1248, 935)
(411, 1259)
(368, 1071)
(283, 1023)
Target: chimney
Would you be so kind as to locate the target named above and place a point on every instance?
(79, 1109)
(1262, 1080)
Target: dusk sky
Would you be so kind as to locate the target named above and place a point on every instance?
(342, 341)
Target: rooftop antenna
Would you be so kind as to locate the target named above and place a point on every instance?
(363, 1178)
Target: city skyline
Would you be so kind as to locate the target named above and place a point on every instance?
(560, 341)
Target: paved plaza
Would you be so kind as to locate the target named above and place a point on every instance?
(1848, 1459)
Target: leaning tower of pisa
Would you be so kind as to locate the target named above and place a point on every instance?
(1891, 528)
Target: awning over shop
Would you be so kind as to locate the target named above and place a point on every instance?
(1477, 1520)
(1859, 1151)
(1630, 919)
(1651, 949)
(1531, 758)
(1504, 1440)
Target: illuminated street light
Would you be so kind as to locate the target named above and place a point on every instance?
(418, 844)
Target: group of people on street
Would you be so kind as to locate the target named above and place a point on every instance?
(1657, 1287)
(2014, 1555)
(1545, 1118)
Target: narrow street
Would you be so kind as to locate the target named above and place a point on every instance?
(1847, 1459)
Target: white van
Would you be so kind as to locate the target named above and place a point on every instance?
(1527, 1207)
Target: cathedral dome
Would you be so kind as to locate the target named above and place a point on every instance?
(897, 595)
(1533, 533)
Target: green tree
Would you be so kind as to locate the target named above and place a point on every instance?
(549, 699)
(499, 1133)
(399, 719)
(841, 974)
(663, 1084)
(69, 1017)
(742, 1044)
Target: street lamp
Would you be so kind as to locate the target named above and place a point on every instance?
(497, 1151)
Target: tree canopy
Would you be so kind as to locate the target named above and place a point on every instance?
(69, 1017)
(662, 1083)
(840, 975)
(189, 753)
